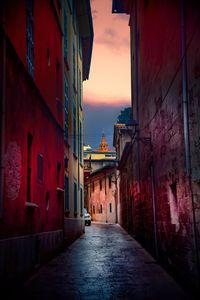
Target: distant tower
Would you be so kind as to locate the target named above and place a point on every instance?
(103, 146)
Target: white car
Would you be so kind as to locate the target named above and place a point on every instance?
(87, 217)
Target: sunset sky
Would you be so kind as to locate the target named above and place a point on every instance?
(109, 81)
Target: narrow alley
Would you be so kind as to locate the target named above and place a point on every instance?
(104, 263)
(100, 126)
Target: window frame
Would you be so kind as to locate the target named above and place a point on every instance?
(66, 202)
(30, 36)
(40, 168)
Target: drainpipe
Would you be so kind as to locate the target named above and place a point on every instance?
(154, 209)
(186, 123)
(116, 198)
(136, 99)
(3, 114)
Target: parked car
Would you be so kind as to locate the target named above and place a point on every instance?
(87, 217)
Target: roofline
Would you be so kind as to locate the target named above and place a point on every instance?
(90, 42)
(108, 167)
(87, 40)
(98, 152)
(101, 159)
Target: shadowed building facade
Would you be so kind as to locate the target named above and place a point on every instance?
(32, 168)
(162, 159)
(45, 54)
(77, 50)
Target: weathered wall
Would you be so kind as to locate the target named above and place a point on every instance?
(26, 112)
(47, 33)
(35, 231)
(161, 118)
(21, 256)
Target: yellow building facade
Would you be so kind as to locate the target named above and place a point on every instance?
(77, 49)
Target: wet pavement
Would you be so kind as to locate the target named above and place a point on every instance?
(104, 263)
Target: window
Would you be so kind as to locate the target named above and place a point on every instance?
(74, 66)
(173, 187)
(29, 37)
(48, 57)
(173, 204)
(93, 209)
(80, 142)
(79, 45)
(80, 87)
(74, 17)
(100, 183)
(40, 168)
(101, 209)
(29, 157)
(74, 127)
(66, 192)
(70, 4)
(110, 207)
(66, 108)
(75, 197)
(93, 186)
(57, 79)
(58, 172)
(65, 34)
(110, 181)
(47, 200)
(81, 200)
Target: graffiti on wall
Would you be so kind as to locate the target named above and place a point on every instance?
(13, 164)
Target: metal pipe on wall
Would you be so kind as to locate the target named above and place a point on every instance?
(154, 209)
(136, 91)
(3, 113)
(185, 103)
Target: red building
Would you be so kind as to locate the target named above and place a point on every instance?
(31, 201)
(162, 160)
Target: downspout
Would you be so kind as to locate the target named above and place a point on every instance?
(105, 192)
(116, 198)
(3, 114)
(136, 98)
(186, 124)
(154, 209)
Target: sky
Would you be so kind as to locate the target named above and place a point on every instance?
(108, 90)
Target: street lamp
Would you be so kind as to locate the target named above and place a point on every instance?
(135, 134)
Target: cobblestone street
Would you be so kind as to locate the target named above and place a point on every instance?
(105, 263)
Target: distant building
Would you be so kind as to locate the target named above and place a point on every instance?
(121, 140)
(101, 188)
(122, 135)
(96, 159)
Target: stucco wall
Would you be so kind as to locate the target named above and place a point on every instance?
(161, 118)
(26, 112)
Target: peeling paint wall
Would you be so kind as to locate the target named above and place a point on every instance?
(161, 118)
(31, 221)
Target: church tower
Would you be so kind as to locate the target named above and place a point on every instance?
(103, 146)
